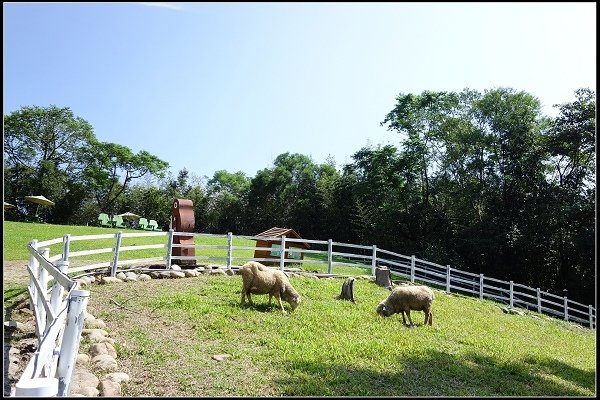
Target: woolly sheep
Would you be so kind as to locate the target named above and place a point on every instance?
(260, 279)
(406, 298)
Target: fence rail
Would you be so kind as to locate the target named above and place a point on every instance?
(59, 314)
(59, 311)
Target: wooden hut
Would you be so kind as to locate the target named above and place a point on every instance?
(275, 245)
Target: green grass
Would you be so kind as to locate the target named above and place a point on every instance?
(330, 347)
(17, 235)
(167, 330)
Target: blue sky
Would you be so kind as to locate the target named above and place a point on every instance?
(211, 86)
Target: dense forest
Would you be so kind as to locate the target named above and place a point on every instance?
(483, 182)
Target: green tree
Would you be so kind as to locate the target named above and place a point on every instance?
(43, 147)
(110, 167)
(227, 193)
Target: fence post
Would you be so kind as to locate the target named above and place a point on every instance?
(113, 271)
(71, 339)
(566, 309)
(282, 254)
(511, 293)
(374, 260)
(42, 297)
(329, 256)
(480, 286)
(169, 248)
(539, 300)
(34, 265)
(412, 269)
(591, 317)
(63, 266)
(37, 387)
(447, 279)
(229, 249)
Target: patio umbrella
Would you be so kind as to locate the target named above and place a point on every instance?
(40, 200)
(130, 215)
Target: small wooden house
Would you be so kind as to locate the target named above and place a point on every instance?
(275, 245)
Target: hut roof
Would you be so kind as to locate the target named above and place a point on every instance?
(288, 232)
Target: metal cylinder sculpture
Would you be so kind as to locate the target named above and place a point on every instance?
(182, 220)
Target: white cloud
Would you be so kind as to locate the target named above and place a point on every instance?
(163, 5)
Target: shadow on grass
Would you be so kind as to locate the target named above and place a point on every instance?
(436, 373)
(261, 307)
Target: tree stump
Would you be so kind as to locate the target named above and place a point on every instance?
(347, 290)
(382, 277)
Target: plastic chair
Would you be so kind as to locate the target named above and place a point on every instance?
(118, 222)
(153, 225)
(142, 223)
(104, 220)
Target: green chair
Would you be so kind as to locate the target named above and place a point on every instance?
(153, 226)
(104, 220)
(142, 223)
(118, 222)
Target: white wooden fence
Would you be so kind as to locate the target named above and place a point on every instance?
(59, 314)
(59, 320)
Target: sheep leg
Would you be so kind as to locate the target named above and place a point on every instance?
(409, 319)
(428, 317)
(280, 303)
(403, 318)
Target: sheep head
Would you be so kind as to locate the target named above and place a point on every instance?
(291, 296)
(295, 302)
(383, 310)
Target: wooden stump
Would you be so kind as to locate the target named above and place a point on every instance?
(382, 277)
(347, 290)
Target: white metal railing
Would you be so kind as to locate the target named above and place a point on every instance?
(59, 312)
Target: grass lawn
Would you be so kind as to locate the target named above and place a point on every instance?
(167, 331)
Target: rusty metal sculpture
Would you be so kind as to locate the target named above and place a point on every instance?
(182, 220)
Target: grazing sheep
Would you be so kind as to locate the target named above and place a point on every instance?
(406, 298)
(260, 279)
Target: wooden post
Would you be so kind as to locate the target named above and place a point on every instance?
(591, 317)
(282, 254)
(66, 245)
(57, 289)
(113, 271)
(373, 260)
(347, 290)
(42, 297)
(511, 293)
(329, 256)
(447, 279)
(169, 249)
(34, 265)
(539, 300)
(382, 277)
(229, 249)
(566, 309)
(481, 286)
(71, 339)
(63, 265)
(412, 269)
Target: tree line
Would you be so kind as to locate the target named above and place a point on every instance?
(483, 182)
